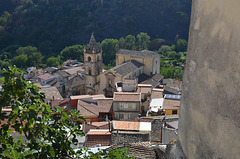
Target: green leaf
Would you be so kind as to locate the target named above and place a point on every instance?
(12, 154)
(52, 152)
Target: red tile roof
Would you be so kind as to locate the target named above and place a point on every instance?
(126, 125)
(126, 97)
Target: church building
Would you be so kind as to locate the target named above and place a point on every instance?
(93, 66)
(139, 65)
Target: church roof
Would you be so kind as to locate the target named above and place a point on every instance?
(127, 67)
(93, 45)
(133, 53)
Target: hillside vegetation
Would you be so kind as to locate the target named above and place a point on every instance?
(51, 25)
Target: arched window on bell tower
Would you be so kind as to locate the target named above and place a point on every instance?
(89, 59)
(89, 72)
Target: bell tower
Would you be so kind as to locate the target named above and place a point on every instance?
(92, 64)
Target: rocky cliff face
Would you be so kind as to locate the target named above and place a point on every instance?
(209, 116)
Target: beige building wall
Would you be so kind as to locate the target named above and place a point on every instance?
(104, 81)
(151, 65)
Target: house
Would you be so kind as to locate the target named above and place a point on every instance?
(126, 105)
(156, 105)
(97, 125)
(46, 79)
(75, 86)
(145, 91)
(155, 80)
(99, 137)
(130, 132)
(127, 85)
(51, 93)
(128, 69)
(157, 93)
(171, 106)
(93, 108)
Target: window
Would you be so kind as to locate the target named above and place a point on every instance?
(89, 59)
(89, 72)
(121, 106)
(121, 116)
(174, 111)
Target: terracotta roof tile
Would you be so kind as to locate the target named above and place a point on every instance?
(127, 97)
(126, 125)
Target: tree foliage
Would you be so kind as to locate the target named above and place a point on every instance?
(110, 47)
(74, 52)
(53, 62)
(47, 133)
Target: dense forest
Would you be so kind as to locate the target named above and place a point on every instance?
(33, 32)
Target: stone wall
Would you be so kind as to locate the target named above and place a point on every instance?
(121, 137)
(209, 124)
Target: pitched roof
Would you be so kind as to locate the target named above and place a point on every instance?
(126, 67)
(74, 70)
(105, 105)
(154, 80)
(143, 77)
(87, 109)
(51, 92)
(127, 97)
(76, 81)
(157, 93)
(133, 53)
(93, 45)
(46, 76)
(170, 104)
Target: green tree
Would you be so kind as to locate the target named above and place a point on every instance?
(27, 50)
(48, 133)
(74, 52)
(122, 44)
(143, 40)
(130, 42)
(34, 59)
(164, 49)
(110, 48)
(53, 62)
(20, 61)
(156, 44)
(181, 45)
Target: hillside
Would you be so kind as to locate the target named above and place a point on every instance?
(51, 25)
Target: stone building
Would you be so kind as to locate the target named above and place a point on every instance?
(138, 65)
(126, 105)
(93, 65)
